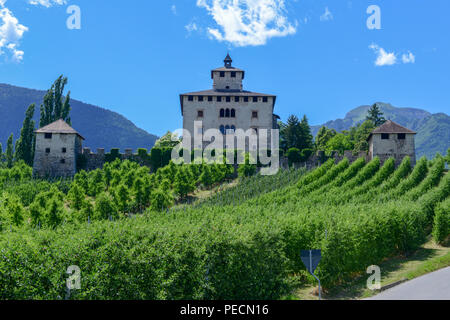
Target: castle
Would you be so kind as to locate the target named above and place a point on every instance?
(58, 148)
(227, 106)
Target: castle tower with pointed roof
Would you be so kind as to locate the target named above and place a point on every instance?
(392, 140)
(57, 148)
(227, 106)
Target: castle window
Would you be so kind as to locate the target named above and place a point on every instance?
(245, 99)
(401, 136)
(255, 130)
(236, 99)
(227, 113)
(210, 98)
(48, 136)
(254, 114)
(200, 113)
(233, 128)
(47, 150)
(190, 98)
(227, 129)
(63, 161)
(233, 113)
(227, 87)
(233, 74)
(255, 99)
(200, 98)
(64, 150)
(219, 99)
(222, 74)
(265, 99)
(222, 113)
(228, 99)
(222, 129)
(385, 136)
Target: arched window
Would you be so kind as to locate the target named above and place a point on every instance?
(233, 113)
(227, 113)
(222, 128)
(233, 128)
(227, 128)
(222, 113)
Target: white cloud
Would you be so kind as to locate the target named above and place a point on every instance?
(383, 58)
(327, 15)
(388, 59)
(191, 27)
(248, 22)
(46, 3)
(408, 57)
(11, 32)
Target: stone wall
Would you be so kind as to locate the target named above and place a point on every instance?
(91, 161)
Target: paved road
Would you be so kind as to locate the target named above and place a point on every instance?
(432, 286)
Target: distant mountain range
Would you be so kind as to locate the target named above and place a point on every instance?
(433, 130)
(102, 128)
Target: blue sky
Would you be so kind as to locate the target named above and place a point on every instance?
(319, 57)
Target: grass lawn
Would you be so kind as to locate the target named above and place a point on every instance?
(430, 257)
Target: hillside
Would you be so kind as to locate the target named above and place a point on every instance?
(433, 130)
(102, 128)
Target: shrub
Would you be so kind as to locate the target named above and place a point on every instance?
(294, 156)
(441, 225)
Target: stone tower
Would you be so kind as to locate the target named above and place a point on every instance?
(227, 106)
(392, 140)
(57, 148)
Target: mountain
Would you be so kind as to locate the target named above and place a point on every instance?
(433, 130)
(100, 127)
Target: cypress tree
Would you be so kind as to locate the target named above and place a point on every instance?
(25, 143)
(54, 106)
(10, 152)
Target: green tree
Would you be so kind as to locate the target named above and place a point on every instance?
(290, 133)
(323, 136)
(306, 138)
(25, 143)
(294, 156)
(447, 158)
(340, 142)
(183, 184)
(122, 197)
(161, 199)
(246, 169)
(76, 196)
(55, 106)
(54, 213)
(1, 154)
(104, 207)
(169, 140)
(359, 134)
(10, 152)
(375, 116)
